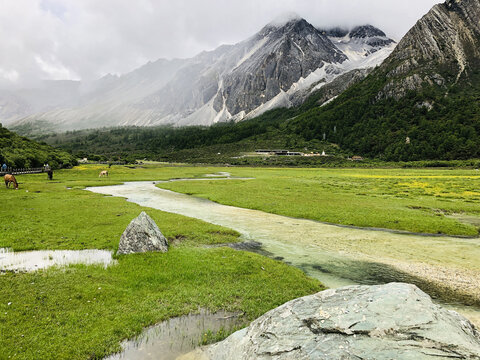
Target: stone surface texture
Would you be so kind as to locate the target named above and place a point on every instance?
(393, 321)
(142, 235)
(446, 40)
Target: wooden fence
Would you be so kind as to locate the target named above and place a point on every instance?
(22, 171)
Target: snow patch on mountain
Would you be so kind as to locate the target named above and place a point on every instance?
(223, 115)
(365, 47)
(281, 100)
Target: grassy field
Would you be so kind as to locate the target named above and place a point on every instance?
(408, 200)
(83, 312)
(60, 215)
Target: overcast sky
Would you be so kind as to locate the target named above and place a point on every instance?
(85, 39)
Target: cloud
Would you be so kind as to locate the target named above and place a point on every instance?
(54, 39)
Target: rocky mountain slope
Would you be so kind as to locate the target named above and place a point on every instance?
(441, 48)
(421, 103)
(277, 67)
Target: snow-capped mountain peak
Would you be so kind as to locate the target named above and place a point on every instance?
(361, 42)
(286, 58)
(366, 31)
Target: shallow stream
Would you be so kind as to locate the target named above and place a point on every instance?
(329, 252)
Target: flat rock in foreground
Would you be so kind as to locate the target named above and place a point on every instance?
(142, 235)
(394, 321)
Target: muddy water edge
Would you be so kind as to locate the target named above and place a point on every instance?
(178, 336)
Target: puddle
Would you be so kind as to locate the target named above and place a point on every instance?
(219, 174)
(337, 256)
(26, 261)
(212, 177)
(177, 336)
(207, 177)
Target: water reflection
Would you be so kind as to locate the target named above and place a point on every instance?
(177, 336)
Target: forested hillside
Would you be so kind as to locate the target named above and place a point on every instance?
(19, 152)
(423, 125)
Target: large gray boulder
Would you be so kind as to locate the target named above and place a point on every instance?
(394, 321)
(142, 235)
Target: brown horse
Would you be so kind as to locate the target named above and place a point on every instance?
(103, 173)
(10, 179)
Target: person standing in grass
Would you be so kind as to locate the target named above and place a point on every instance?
(4, 167)
(49, 171)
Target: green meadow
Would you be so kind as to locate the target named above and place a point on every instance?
(417, 200)
(84, 312)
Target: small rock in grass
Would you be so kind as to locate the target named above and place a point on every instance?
(142, 235)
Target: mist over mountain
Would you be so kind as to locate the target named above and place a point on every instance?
(421, 103)
(278, 67)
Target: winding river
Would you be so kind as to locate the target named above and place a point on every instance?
(336, 255)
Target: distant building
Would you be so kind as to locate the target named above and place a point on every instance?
(316, 154)
(83, 161)
(279, 152)
(356, 158)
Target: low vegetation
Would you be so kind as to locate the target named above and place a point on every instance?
(83, 312)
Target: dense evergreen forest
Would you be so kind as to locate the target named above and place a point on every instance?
(424, 125)
(167, 143)
(19, 152)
